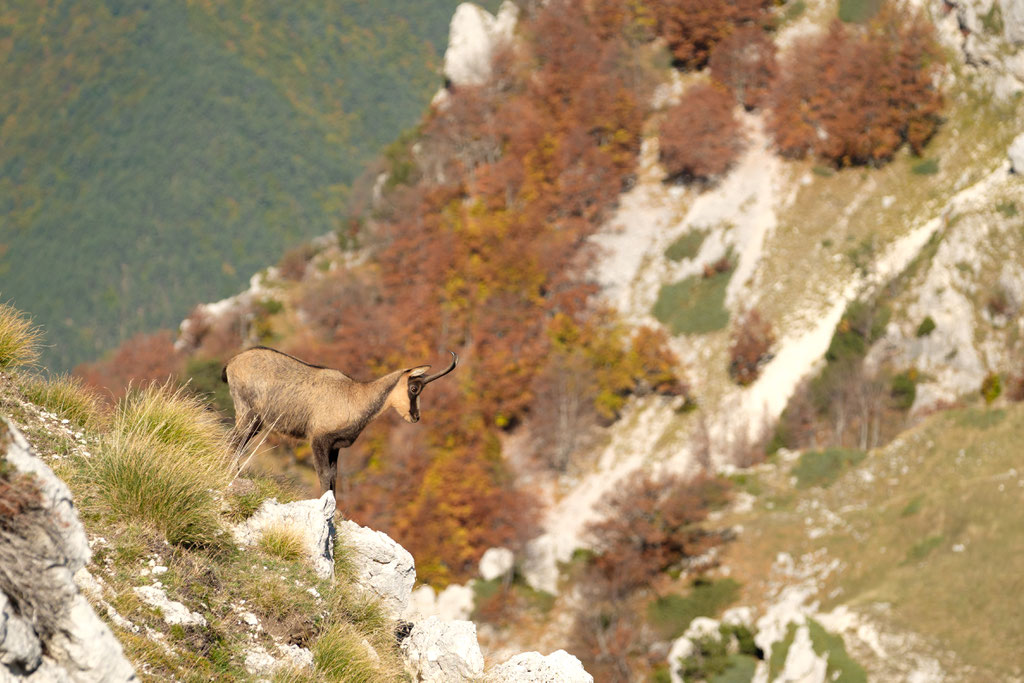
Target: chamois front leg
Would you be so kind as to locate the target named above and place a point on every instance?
(246, 427)
(326, 466)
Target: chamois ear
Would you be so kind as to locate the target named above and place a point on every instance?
(418, 372)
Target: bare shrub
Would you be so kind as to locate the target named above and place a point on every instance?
(752, 340)
(745, 63)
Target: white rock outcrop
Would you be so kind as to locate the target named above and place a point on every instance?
(173, 612)
(803, 664)
(1013, 20)
(533, 667)
(1016, 154)
(312, 519)
(381, 566)
(473, 37)
(439, 651)
(48, 630)
(496, 563)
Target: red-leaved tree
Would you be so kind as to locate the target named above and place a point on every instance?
(700, 137)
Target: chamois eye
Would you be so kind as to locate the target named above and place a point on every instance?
(414, 388)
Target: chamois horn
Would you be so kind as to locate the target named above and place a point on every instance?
(431, 378)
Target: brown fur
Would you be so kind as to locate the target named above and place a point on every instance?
(273, 390)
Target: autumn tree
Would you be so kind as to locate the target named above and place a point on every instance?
(651, 522)
(701, 137)
(692, 28)
(144, 358)
(750, 347)
(744, 61)
(854, 95)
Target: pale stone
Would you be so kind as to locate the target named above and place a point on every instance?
(1016, 154)
(1013, 20)
(382, 567)
(312, 519)
(540, 564)
(496, 563)
(803, 664)
(438, 651)
(172, 611)
(533, 667)
(455, 602)
(473, 37)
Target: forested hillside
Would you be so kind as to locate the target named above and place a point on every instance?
(156, 155)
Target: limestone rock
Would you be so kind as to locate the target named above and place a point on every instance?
(443, 651)
(313, 519)
(1013, 20)
(532, 667)
(474, 35)
(1016, 154)
(496, 563)
(381, 566)
(803, 664)
(540, 565)
(455, 602)
(48, 630)
(173, 611)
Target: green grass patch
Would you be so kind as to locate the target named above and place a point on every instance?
(925, 167)
(687, 246)
(340, 654)
(1007, 208)
(913, 507)
(924, 547)
(822, 468)
(841, 667)
(780, 651)
(979, 418)
(670, 615)
(858, 11)
(695, 305)
(175, 418)
(20, 339)
(65, 396)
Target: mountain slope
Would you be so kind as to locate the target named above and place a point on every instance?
(155, 156)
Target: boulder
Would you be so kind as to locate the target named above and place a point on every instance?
(455, 602)
(1016, 154)
(173, 612)
(533, 667)
(380, 566)
(312, 519)
(443, 651)
(1013, 20)
(473, 36)
(496, 563)
(48, 630)
(803, 664)
(540, 564)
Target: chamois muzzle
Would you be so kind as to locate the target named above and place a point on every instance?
(431, 378)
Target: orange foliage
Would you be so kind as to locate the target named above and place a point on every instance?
(142, 359)
(693, 27)
(854, 95)
(700, 137)
(752, 340)
(651, 523)
(744, 61)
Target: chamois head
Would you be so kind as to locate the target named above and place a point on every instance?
(405, 396)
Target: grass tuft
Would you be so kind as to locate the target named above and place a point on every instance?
(283, 541)
(19, 338)
(341, 653)
(172, 417)
(66, 396)
(132, 476)
(670, 615)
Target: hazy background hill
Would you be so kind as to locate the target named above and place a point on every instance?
(153, 155)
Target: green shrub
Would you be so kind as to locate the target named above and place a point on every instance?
(19, 338)
(858, 11)
(695, 305)
(670, 615)
(822, 468)
(65, 396)
(926, 327)
(202, 377)
(687, 246)
(991, 387)
(1007, 208)
(926, 167)
(903, 389)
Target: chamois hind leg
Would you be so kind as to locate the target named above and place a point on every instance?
(326, 466)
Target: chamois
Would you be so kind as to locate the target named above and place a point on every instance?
(278, 391)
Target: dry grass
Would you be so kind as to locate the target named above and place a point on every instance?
(283, 541)
(19, 338)
(65, 396)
